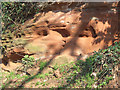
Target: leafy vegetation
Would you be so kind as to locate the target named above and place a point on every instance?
(15, 13)
(95, 72)
(27, 61)
(42, 65)
(98, 69)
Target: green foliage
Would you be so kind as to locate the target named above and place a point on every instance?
(46, 74)
(42, 65)
(56, 67)
(97, 68)
(27, 61)
(95, 72)
(14, 13)
(42, 76)
(37, 83)
(11, 75)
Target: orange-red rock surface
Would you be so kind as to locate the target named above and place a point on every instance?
(75, 31)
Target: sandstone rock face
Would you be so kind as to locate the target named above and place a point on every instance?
(72, 30)
(95, 27)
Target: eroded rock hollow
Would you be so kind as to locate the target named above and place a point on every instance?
(72, 30)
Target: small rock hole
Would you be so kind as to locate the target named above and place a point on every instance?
(45, 33)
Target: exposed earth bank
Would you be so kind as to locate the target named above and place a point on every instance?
(67, 32)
